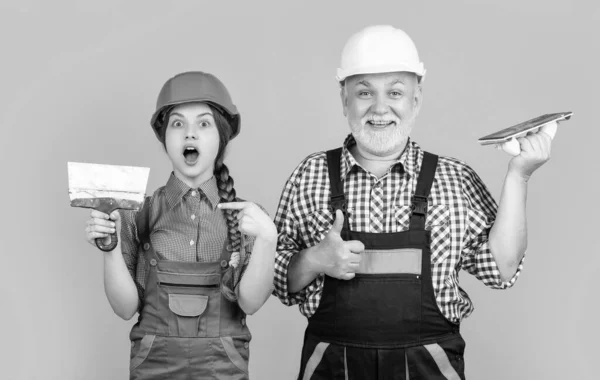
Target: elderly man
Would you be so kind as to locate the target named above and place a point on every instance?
(372, 235)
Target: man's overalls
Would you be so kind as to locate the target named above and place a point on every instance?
(384, 323)
(187, 329)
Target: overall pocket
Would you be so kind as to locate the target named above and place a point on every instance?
(379, 308)
(187, 309)
(188, 300)
(140, 350)
(231, 355)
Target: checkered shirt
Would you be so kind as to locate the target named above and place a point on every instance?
(186, 226)
(460, 214)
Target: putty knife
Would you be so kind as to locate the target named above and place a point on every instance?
(107, 188)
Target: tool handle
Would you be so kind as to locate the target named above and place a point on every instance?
(107, 206)
(114, 240)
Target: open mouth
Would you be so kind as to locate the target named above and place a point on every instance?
(380, 123)
(190, 154)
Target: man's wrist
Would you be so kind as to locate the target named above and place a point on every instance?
(516, 176)
(312, 263)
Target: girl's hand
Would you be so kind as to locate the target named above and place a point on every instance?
(253, 221)
(100, 225)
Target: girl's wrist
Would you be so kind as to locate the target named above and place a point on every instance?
(269, 236)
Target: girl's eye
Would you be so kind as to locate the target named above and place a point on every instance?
(177, 123)
(205, 123)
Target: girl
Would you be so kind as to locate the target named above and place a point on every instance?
(184, 260)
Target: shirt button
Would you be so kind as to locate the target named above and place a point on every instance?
(246, 344)
(224, 263)
(193, 216)
(146, 246)
(191, 242)
(153, 262)
(243, 321)
(193, 193)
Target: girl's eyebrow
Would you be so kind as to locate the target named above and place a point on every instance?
(197, 117)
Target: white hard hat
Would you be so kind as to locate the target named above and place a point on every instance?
(379, 49)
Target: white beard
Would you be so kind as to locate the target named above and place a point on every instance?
(385, 141)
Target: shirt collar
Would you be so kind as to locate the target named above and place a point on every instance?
(408, 159)
(176, 189)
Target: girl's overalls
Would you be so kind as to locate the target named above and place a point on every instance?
(186, 329)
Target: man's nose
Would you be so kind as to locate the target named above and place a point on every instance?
(380, 106)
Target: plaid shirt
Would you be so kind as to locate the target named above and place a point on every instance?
(460, 215)
(186, 226)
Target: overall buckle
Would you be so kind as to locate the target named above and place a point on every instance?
(338, 202)
(419, 205)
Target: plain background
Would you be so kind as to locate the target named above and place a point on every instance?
(79, 80)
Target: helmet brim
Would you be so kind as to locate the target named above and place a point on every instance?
(419, 70)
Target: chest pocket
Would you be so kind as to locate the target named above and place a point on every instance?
(318, 225)
(437, 221)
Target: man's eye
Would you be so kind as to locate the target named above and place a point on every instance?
(364, 93)
(396, 93)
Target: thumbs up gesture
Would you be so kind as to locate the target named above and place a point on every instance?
(338, 258)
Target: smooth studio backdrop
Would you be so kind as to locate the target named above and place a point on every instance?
(79, 80)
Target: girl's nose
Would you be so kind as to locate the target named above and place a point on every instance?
(191, 132)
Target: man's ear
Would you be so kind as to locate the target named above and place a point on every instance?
(344, 98)
(418, 99)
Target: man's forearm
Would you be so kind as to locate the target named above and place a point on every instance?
(301, 271)
(508, 236)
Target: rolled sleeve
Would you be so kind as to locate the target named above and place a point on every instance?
(477, 259)
(289, 243)
(129, 241)
(130, 247)
(286, 249)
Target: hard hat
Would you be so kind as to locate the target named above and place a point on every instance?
(379, 49)
(196, 86)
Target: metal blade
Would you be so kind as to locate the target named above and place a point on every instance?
(107, 181)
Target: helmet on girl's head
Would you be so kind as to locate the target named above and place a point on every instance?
(379, 49)
(195, 86)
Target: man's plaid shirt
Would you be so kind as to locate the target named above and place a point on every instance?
(460, 214)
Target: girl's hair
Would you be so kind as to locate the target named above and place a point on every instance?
(226, 193)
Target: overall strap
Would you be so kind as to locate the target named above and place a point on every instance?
(419, 199)
(337, 197)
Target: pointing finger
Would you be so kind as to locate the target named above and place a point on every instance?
(233, 205)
